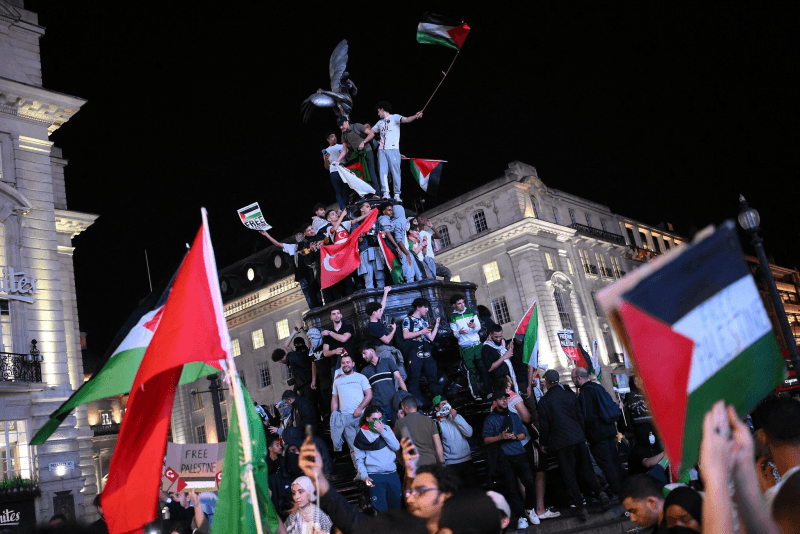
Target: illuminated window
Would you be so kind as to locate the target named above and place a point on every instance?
(563, 311)
(555, 216)
(200, 434)
(601, 263)
(235, 349)
(569, 266)
(282, 328)
(456, 278)
(615, 266)
(258, 339)
(445, 233)
(197, 399)
(491, 272)
(479, 219)
(15, 456)
(572, 215)
(500, 309)
(6, 345)
(548, 258)
(263, 374)
(535, 207)
(588, 268)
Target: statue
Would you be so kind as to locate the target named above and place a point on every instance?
(340, 97)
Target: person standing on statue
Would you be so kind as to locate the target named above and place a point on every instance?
(388, 129)
(358, 137)
(465, 325)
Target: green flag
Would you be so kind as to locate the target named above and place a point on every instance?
(234, 512)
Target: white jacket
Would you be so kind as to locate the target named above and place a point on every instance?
(459, 320)
(454, 439)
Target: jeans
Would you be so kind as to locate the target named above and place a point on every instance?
(422, 366)
(443, 271)
(411, 272)
(474, 364)
(308, 293)
(605, 454)
(431, 265)
(389, 160)
(386, 491)
(517, 466)
(341, 189)
(568, 458)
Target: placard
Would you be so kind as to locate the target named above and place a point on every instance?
(567, 340)
(192, 467)
(252, 217)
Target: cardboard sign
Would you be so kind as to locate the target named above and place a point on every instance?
(252, 218)
(192, 466)
(567, 340)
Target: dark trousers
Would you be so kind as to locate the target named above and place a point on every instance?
(325, 388)
(386, 491)
(312, 299)
(571, 457)
(341, 189)
(605, 454)
(376, 182)
(418, 367)
(515, 467)
(466, 472)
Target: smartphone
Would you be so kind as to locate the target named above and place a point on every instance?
(310, 432)
(412, 469)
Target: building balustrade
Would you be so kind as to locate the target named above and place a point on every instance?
(105, 430)
(588, 231)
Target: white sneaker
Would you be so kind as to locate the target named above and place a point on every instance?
(532, 516)
(386, 196)
(397, 198)
(549, 513)
(522, 523)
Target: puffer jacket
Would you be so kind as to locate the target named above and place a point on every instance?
(375, 454)
(455, 432)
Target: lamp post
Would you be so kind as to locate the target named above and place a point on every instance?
(214, 388)
(749, 220)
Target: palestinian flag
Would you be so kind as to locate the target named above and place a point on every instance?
(234, 512)
(439, 30)
(585, 360)
(116, 376)
(697, 332)
(427, 173)
(357, 164)
(395, 268)
(596, 362)
(528, 332)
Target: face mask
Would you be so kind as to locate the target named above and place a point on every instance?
(652, 439)
(444, 411)
(292, 464)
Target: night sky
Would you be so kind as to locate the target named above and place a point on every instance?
(663, 113)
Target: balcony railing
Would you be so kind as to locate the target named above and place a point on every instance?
(598, 234)
(105, 430)
(605, 271)
(20, 367)
(590, 269)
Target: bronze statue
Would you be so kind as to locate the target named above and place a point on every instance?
(340, 97)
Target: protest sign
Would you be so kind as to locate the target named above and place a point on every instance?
(567, 340)
(252, 217)
(193, 466)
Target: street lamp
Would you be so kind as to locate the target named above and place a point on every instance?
(749, 220)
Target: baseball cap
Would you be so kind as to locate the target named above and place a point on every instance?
(500, 393)
(551, 376)
(437, 399)
(341, 120)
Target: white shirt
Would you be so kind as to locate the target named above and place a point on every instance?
(333, 153)
(429, 249)
(389, 131)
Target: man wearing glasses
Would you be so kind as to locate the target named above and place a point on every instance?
(433, 485)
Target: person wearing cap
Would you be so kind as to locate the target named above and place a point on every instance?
(561, 432)
(303, 412)
(299, 363)
(465, 325)
(356, 136)
(388, 130)
(455, 433)
(504, 427)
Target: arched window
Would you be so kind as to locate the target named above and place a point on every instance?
(479, 220)
(445, 233)
(563, 311)
(535, 207)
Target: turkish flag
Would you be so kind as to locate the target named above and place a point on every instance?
(170, 474)
(341, 259)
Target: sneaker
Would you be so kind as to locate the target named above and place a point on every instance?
(549, 513)
(397, 198)
(522, 523)
(583, 514)
(605, 502)
(386, 196)
(532, 516)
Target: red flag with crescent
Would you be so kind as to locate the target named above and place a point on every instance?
(337, 261)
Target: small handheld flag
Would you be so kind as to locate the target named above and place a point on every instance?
(427, 173)
(528, 332)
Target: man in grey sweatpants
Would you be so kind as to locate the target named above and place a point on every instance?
(388, 130)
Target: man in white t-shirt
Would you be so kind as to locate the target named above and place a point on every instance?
(352, 393)
(388, 131)
(427, 238)
(330, 156)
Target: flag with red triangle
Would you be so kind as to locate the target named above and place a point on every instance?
(339, 260)
(427, 173)
(392, 261)
(191, 328)
(697, 332)
(440, 30)
(528, 332)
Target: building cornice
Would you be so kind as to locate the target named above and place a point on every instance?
(37, 104)
(73, 222)
(263, 308)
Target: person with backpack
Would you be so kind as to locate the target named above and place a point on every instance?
(358, 137)
(600, 414)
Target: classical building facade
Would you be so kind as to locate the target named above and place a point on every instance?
(514, 237)
(37, 287)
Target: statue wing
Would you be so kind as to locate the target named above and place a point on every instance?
(316, 100)
(337, 65)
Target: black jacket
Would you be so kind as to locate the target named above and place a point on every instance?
(560, 419)
(303, 413)
(344, 515)
(590, 398)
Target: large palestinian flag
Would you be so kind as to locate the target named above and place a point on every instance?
(392, 261)
(698, 332)
(528, 332)
(427, 173)
(436, 29)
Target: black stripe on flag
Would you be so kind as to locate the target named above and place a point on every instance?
(433, 18)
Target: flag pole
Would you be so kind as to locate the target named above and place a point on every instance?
(425, 159)
(232, 376)
(440, 83)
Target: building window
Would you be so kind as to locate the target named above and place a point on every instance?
(263, 374)
(601, 263)
(603, 225)
(645, 244)
(535, 207)
(548, 258)
(197, 399)
(200, 434)
(258, 339)
(15, 457)
(500, 309)
(569, 266)
(656, 245)
(615, 266)
(491, 272)
(572, 215)
(588, 268)
(632, 241)
(480, 222)
(456, 278)
(224, 428)
(236, 350)
(282, 328)
(563, 312)
(6, 345)
(445, 233)
(789, 297)
(666, 244)
(555, 216)
(588, 220)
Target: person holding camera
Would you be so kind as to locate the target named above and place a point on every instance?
(418, 349)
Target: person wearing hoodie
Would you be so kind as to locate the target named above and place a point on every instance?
(376, 448)
(455, 435)
(465, 325)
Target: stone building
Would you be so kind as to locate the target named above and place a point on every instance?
(37, 287)
(514, 237)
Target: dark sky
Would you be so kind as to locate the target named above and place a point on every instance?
(664, 113)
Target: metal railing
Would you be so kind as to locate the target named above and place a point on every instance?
(105, 430)
(19, 368)
(598, 234)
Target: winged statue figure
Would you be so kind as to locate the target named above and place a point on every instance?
(340, 97)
